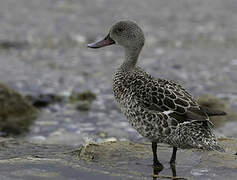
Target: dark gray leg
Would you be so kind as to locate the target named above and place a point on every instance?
(157, 166)
(155, 159)
(173, 157)
(173, 168)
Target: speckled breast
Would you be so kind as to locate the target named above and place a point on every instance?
(138, 117)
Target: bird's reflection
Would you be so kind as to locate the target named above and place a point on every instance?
(158, 169)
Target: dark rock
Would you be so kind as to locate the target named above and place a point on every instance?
(43, 100)
(16, 113)
(7, 44)
(83, 105)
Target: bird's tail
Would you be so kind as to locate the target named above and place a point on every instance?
(211, 145)
(213, 112)
(201, 137)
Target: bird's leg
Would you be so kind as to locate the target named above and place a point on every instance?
(155, 159)
(156, 171)
(157, 166)
(173, 168)
(173, 157)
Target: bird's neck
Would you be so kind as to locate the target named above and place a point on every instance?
(131, 57)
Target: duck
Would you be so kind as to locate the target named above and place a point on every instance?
(160, 110)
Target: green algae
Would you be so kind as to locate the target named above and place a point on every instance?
(213, 103)
(82, 96)
(16, 113)
(82, 100)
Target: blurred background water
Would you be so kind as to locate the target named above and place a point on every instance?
(43, 51)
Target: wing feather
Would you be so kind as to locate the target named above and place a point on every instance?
(163, 95)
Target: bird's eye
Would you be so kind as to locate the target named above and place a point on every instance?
(119, 30)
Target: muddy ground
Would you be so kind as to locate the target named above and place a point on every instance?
(112, 160)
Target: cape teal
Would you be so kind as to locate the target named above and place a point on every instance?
(160, 110)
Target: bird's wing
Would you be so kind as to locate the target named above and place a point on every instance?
(170, 98)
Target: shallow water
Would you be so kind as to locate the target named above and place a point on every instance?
(111, 160)
(190, 42)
